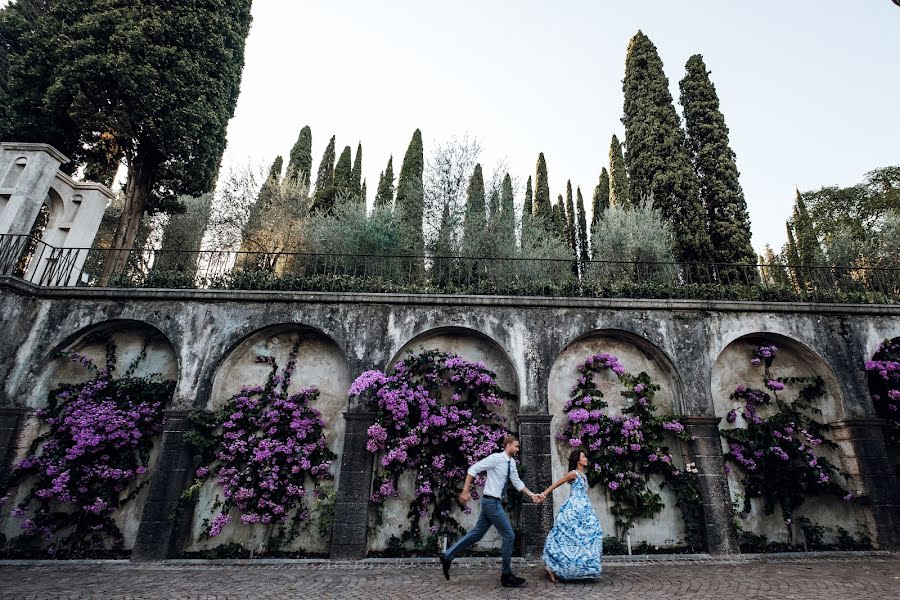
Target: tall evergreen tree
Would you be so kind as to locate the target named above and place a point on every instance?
(411, 192)
(507, 221)
(619, 191)
(774, 268)
(494, 207)
(541, 189)
(571, 219)
(475, 215)
(582, 227)
(601, 198)
(560, 225)
(343, 171)
(160, 100)
(792, 256)
(716, 167)
(808, 249)
(528, 206)
(356, 174)
(300, 160)
(384, 195)
(325, 179)
(657, 157)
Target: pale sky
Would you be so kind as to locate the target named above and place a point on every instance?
(809, 88)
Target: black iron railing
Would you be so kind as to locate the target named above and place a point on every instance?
(34, 261)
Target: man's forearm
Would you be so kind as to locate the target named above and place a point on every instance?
(468, 483)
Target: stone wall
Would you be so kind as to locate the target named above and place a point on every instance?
(694, 350)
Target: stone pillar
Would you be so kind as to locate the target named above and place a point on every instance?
(11, 418)
(864, 457)
(706, 453)
(351, 506)
(537, 519)
(163, 528)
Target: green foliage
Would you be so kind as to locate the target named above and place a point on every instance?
(506, 223)
(570, 220)
(384, 195)
(325, 188)
(582, 228)
(716, 167)
(809, 250)
(619, 190)
(343, 172)
(475, 219)
(349, 230)
(542, 205)
(300, 160)
(411, 192)
(356, 182)
(657, 157)
(183, 235)
(601, 199)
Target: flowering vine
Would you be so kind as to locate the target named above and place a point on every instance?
(93, 458)
(884, 384)
(435, 414)
(777, 455)
(262, 447)
(626, 450)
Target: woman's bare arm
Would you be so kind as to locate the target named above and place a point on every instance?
(564, 479)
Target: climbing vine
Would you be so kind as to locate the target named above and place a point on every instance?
(263, 447)
(435, 414)
(626, 450)
(884, 384)
(779, 456)
(93, 457)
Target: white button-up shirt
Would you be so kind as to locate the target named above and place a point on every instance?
(496, 466)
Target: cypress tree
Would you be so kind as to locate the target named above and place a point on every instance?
(795, 265)
(474, 218)
(559, 219)
(571, 218)
(494, 208)
(325, 179)
(601, 198)
(657, 157)
(582, 228)
(541, 189)
(363, 192)
(527, 215)
(774, 267)
(807, 243)
(619, 192)
(300, 160)
(343, 171)
(716, 167)
(356, 174)
(411, 192)
(384, 195)
(507, 221)
(528, 206)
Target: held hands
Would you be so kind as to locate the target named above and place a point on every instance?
(465, 496)
(538, 498)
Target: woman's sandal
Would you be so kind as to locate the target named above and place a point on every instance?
(551, 575)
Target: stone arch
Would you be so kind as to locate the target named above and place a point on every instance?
(321, 363)
(129, 337)
(636, 353)
(732, 367)
(794, 359)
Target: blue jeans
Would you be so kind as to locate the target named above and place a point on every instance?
(492, 513)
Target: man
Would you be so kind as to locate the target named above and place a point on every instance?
(501, 469)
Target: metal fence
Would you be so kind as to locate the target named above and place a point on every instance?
(30, 259)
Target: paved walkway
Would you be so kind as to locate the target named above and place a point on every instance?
(832, 578)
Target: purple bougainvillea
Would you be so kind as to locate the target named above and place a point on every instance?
(884, 384)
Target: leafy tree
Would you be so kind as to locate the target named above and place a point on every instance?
(582, 228)
(277, 221)
(807, 240)
(773, 269)
(619, 192)
(356, 174)
(716, 167)
(601, 198)
(411, 192)
(343, 172)
(657, 158)
(183, 235)
(542, 206)
(157, 83)
(384, 195)
(300, 160)
(325, 188)
(571, 220)
(474, 222)
(792, 256)
(506, 224)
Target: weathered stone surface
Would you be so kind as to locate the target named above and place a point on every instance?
(349, 534)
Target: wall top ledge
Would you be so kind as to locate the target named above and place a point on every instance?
(249, 296)
(85, 185)
(28, 147)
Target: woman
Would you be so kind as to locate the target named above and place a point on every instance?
(575, 543)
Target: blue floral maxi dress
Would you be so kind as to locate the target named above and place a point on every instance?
(575, 544)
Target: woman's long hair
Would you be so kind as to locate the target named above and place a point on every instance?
(574, 458)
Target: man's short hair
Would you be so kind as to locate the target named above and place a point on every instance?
(509, 439)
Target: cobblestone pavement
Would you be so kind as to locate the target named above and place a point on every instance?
(832, 578)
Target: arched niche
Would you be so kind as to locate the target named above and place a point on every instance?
(320, 364)
(473, 346)
(733, 367)
(636, 354)
(129, 338)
